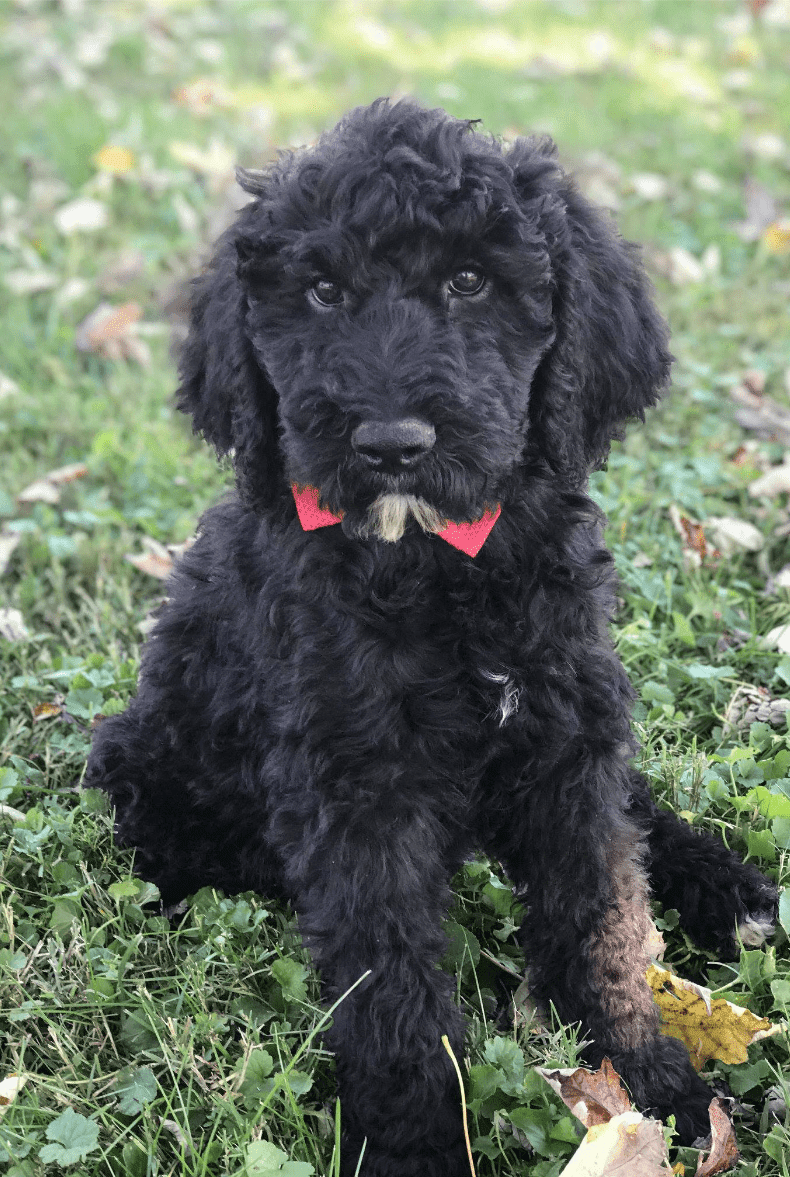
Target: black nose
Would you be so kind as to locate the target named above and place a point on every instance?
(393, 445)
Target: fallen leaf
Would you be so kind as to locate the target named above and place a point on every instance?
(723, 1150)
(13, 815)
(780, 581)
(692, 533)
(709, 1028)
(218, 161)
(83, 215)
(705, 181)
(731, 535)
(122, 270)
(761, 210)
(22, 282)
(118, 161)
(9, 541)
(776, 237)
(777, 638)
(594, 1097)
(202, 96)
(47, 489)
(40, 491)
(10, 1088)
(775, 481)
(629, 1145)
(767, 146)
(154, 561)
(752, 704)
(8, 387)
(761, 415)
(12, 625)
(649, 186)
(68, 473)
(71, 291)
(110, 332)
(754, 380)
(46, 711)
(683, 267)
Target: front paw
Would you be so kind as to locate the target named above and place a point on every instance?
(663, 1083)
(761, 907)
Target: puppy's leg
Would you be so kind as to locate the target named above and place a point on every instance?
(371, 890)
(178, 800)
(722, 901)
(585, 938)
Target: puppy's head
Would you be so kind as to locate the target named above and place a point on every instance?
(407, 316)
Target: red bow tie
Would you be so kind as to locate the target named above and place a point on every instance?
(467, 537)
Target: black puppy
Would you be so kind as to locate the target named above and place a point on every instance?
(391, 648)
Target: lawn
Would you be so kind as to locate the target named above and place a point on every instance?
(151, 1047)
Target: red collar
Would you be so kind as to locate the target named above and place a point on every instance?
(467, 537)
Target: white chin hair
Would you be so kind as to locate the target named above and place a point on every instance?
(387, 517)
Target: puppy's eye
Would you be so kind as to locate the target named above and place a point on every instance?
(327, 293)
(467, 281)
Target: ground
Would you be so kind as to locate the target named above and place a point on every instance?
(174, 1049)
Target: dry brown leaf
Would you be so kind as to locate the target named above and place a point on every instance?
(594, 1097)
(628, 1146)
(203, 96)
(154, 561)
(709, 1028)
(695, 545)
(47, 489)
(723, 1150)
(110, 331)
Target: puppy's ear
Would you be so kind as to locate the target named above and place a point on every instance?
(610, 359)
(231, 399)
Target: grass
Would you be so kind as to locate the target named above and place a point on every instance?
(154, 1050)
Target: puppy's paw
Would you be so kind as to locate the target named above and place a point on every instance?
(663, 1083)
(761, 903)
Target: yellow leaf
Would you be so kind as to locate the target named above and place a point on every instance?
(116, 160)
(46, 711)
(776, 237)
(709, 1028)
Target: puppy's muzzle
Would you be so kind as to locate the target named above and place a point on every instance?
(393, 446)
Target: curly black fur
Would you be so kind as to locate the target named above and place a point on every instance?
(342, 720)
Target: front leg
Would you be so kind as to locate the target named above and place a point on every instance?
(371, 888)
(579, 857)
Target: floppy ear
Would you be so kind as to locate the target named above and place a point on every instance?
(230, 397)
(610, 359)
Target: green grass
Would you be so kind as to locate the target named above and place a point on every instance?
(155, 1050)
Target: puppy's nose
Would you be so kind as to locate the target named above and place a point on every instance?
(393, 445)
